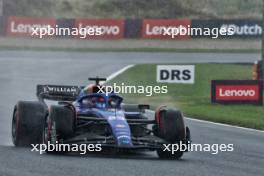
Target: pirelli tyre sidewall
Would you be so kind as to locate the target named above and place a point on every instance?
(64, 119)
(28, 119)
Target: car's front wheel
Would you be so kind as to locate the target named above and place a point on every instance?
(170, 127)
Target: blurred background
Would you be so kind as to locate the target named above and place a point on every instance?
(131, 16)
(202, 9)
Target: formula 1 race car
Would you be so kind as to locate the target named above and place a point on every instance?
(84, 116)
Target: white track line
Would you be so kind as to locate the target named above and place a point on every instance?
(225, 125)
(115, 74)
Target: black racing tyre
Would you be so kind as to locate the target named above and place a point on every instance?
(171, 125)
(168, 155)
(28, 119)
(64, 119)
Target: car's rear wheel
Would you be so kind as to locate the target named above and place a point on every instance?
(28, 119)
(170, 127)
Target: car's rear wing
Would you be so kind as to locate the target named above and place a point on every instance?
(58, 92)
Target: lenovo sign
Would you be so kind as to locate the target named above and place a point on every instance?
(23, 26)
(106, 28)
(155, 28)
(237, 92)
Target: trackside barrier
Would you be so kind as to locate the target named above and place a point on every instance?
(257, 70)
(154, 28)
(133, 28)
(15, 26)
(22, 26)
(2, 25)
(243, 28)
(237, 92)
(110, 28)
(65, 23)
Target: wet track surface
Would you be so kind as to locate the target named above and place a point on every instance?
(21, 71)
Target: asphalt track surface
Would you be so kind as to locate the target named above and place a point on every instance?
(21, 71)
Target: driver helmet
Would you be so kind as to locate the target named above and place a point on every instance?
(100, 103)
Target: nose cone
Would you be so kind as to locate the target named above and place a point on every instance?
(120, 128)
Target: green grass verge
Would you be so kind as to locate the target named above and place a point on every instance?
(193, 50)
(194, 100)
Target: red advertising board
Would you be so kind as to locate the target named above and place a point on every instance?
(155, 28)
(237, 91)
(110, 28)
(22, 26)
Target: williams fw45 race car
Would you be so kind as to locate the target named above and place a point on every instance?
(84, 116)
